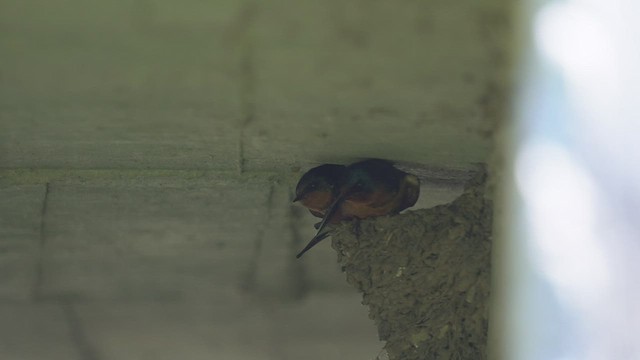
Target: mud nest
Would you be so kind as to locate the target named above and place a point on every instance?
(425, 276)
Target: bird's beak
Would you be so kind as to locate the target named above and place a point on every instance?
(297, 198)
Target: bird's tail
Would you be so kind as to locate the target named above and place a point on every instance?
(323, 231)
(316, 239)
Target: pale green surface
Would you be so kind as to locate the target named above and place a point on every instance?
(35, 331)
(129, 84)
(20, 210)
(340, 80)
(150, 84)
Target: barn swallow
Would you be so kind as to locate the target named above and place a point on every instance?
(318, 187)
(371, 188)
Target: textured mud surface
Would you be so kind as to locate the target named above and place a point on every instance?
(425, 276)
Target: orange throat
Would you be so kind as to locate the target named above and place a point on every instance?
(318, 201)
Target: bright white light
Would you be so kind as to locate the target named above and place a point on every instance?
(572, 35)
(578, 177)
(560, 199)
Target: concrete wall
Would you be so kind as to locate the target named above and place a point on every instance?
(148, 150)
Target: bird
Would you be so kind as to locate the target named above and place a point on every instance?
(318, 188)
(370, 188)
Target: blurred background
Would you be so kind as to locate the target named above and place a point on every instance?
(568, 250)
(149, 150)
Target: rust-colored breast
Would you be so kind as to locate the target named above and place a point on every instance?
(318, 201)
(377, 203)
(382, 202)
